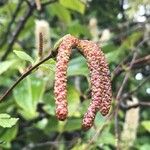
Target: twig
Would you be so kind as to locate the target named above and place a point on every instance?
(21, 25)
(11, 22)
(127, 95)
(53, 54)
(94, 138)
(137, 64)
(118, 97)
(146, 104)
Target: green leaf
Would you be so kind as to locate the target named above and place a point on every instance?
(6, 121)
(24, 56)
(8, 134)
(5, 65)
(48, 65)
(73, 124)
(109, 47)
(28, 93)
(78, 66)
(145, 147)
(61, 12)
(56, 45)
(52, 125)
(106, 137)
(77, 29)
(76, 5)
(73, 97)
(146, 125)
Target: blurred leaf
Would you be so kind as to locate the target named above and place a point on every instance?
(146, 125)
(72, 124)
(61, 12)
(5, 65)
(49, 103)
(42, 124)
(48, 65)
(77, 29)
(127, 46)
(28, 93)
(145, 147)
(8, 134)
(106, 137)
(73, 97)
(6, 121)
(52, 125)
(109, 47)
(78, 66)
(76, 5)
(131, 40)
(7, 106)
(24, 56)
(5, 80)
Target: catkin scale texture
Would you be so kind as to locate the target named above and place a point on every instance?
(60, 87)
(100, 82)
(99, 76)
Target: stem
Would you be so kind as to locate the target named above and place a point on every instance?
(52, 55)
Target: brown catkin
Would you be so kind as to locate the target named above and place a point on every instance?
(60, 87)
(99, 75)
(100, 81)
(40, 45)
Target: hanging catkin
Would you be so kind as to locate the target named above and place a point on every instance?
(60, 87)
(100, 81)
(99, 75)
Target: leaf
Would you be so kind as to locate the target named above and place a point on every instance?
(56, 45)
(8, 134)
(24, 56)
(6, 121)
(78, 66)
(146, 125)
(76, 5)
(106, 137)
(7, 105)
(28, 93)
(48, 65)
(52, 125)
(5, 65)
(126, 46)
(73, 97)
(61, 12)
(109, 47)
(77, 29)
(145, 146)
(72, 124)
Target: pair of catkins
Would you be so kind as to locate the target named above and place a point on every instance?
(101, 93)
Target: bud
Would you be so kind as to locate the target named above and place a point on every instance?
(42, 28)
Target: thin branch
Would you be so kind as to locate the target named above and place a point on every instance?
(98, 132)
(127, 95)
(19, 28)
(11, 22)
(21, 25)
(136, 65)
(143, 104)
(118, 97)
(52, 55)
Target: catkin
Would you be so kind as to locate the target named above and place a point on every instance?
(100, 81)
(99, 76)
(60, 87)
